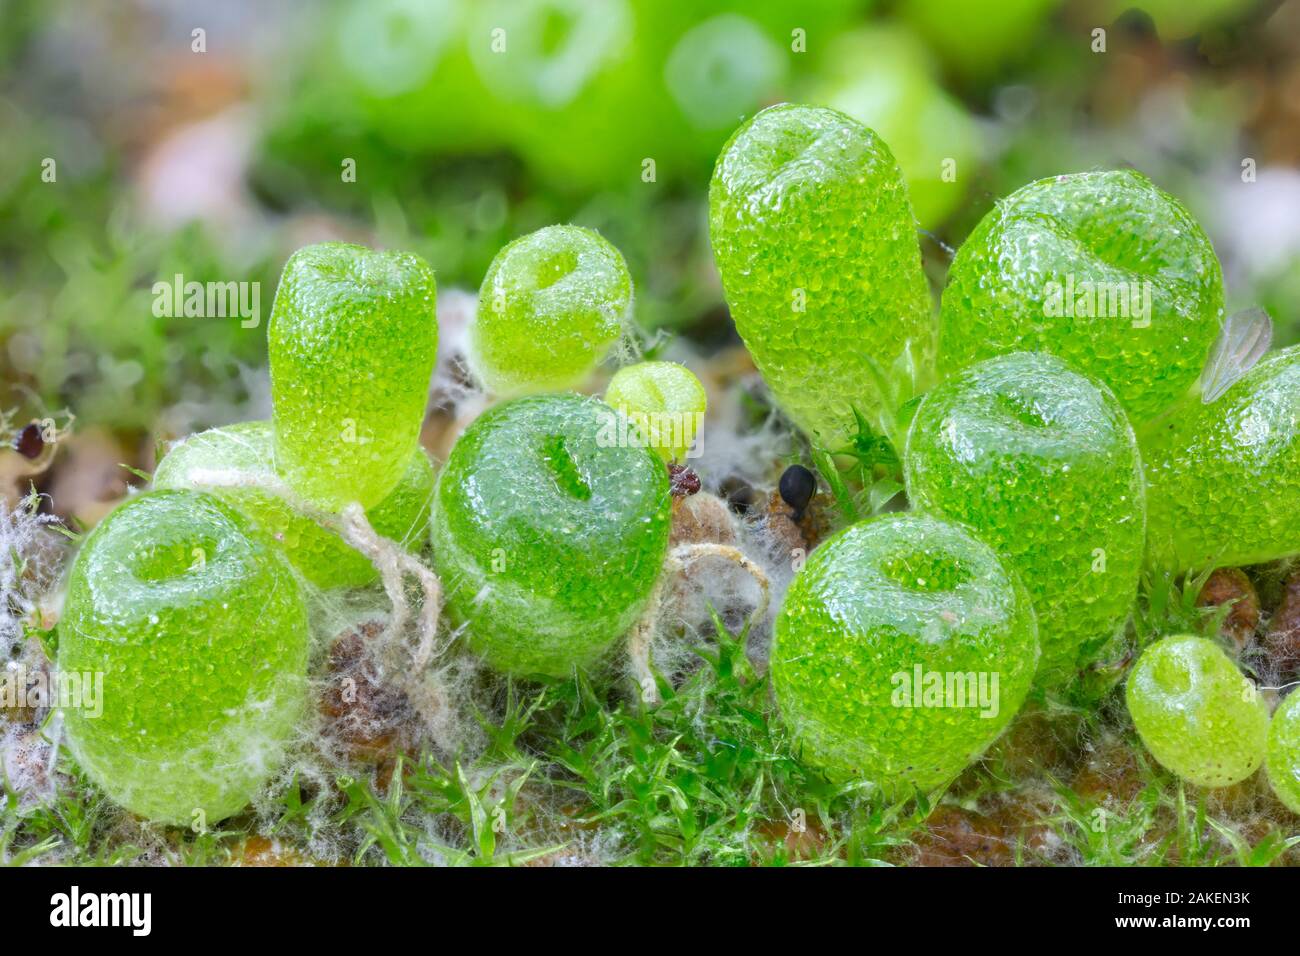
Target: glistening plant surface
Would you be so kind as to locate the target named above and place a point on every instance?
(1105, 270)
(1042, 464)
(234, 460)
(1283, 757)
(463, 760)
(1196, 712)
(552, 304)
(1225, 477)
(881, 611)
(814, 237)
(664, 400)
(548, 535)
(352, 343)
(200, 631)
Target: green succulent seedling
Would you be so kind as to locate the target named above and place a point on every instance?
(197, 629)
(664, 400)
(814, 237)
(1041, 462)
(1283, 756)
(1225, 477)
(235, 460)
(552, 304)
(1196, 712)
(352, 343)
(548, 536)
(903, 648)
(1103, 269)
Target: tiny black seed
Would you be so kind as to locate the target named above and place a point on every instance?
(30, 442)
(797, 488)
(740, 496)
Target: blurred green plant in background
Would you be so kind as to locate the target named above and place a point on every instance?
(453, 126)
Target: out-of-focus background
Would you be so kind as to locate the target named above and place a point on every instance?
(141, 140)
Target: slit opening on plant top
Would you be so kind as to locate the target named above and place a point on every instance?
(564, 469)
(158, 564)
(929, 573)
(1021, 409)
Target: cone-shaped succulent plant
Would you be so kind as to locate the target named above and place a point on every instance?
(814, 237)
(232, 461)
(1283, 758)
(1196, 712)
(903, 649)
(1041, 462)
(352, 343)
(548, 533)
(664, 400)
(1224, 478)
(551, 305)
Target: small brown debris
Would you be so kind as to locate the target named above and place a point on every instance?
(1036, 743)
(1282, 639)
(701, 519)
(958, 837)
(1111, 774)
(682, 481)
(793, 840)
(777, 520)
(24, 463)
(30, 442)
(1232, 585)
(261, 852)
(366, 715)
(816, 521)
(26, 688)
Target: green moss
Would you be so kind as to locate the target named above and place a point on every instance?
(875, 605)
(199, 631)
(1042, 464)
(321, 555)
(548, 536)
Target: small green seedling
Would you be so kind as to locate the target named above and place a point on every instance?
(664, 400)
(552, 304)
